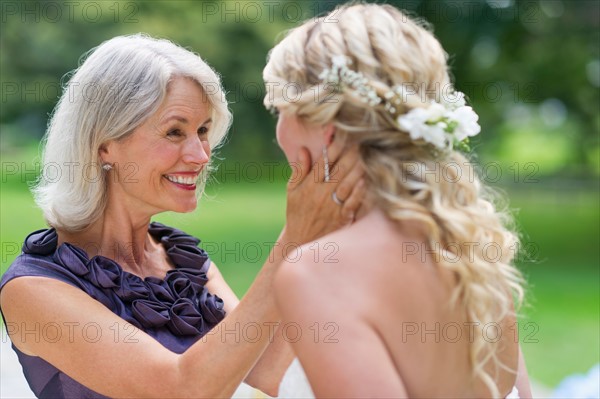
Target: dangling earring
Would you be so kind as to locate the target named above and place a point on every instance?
(326, 162)
(107, 167)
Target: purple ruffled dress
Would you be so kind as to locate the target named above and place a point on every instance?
(177, 310)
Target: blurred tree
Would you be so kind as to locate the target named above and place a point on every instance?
(529, 64)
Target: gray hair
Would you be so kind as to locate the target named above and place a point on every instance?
(120, 84)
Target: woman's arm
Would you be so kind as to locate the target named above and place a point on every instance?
(126, 361)
(270, 368)
(307, 198)
(346, 182)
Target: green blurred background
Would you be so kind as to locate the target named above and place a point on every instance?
(530, 68)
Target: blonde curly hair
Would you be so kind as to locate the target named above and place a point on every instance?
(454, 207)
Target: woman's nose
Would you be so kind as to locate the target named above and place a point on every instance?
(197, 152)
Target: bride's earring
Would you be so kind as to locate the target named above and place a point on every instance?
(107, 167)
(326, 163)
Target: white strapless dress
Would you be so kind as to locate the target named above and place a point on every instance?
(514, 394)
(295, 384)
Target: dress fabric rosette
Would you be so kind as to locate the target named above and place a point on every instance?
(176, 310)
(179, 302)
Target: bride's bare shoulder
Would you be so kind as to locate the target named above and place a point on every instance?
(374, 254)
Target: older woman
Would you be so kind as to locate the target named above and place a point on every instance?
(416, 304)
(121, 302)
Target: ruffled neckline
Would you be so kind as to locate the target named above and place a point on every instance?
(179, 301)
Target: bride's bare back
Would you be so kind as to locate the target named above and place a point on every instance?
(376, 320)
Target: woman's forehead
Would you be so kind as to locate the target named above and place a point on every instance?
(184, 99)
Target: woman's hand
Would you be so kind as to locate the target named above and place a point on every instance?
(312, 210)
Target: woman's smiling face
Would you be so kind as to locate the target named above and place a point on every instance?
(156, 167)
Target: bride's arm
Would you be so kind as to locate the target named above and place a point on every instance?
(522, 383)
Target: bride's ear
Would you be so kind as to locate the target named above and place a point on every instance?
(328, 133)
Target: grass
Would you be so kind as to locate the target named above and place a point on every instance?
(240, 220)
(564, 281)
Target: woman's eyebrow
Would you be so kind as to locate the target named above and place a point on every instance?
(176, 117)
(181, 119)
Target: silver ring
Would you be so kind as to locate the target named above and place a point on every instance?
(336, 199)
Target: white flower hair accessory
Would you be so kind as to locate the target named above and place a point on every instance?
(445, 125)
(340, 75)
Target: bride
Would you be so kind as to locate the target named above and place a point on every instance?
(416, 298)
